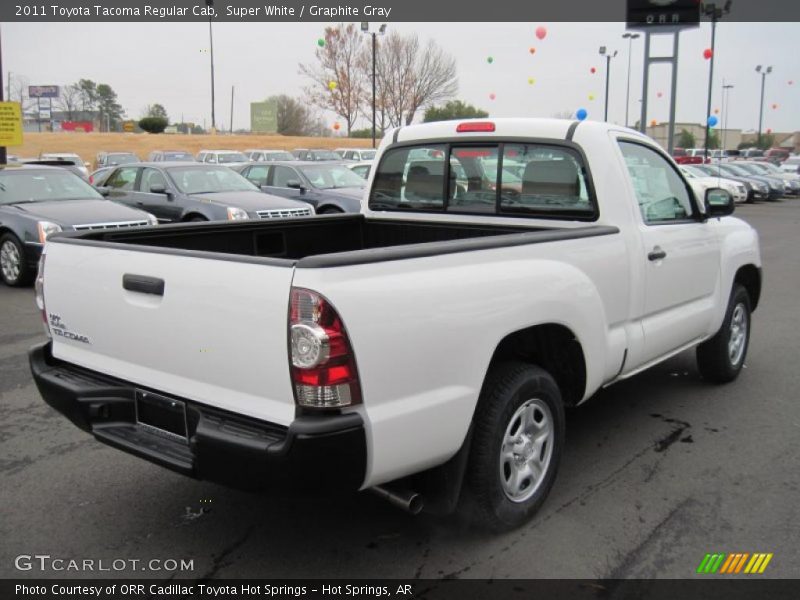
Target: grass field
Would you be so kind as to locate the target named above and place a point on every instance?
(87, 145)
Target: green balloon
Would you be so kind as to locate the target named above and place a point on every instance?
(490, 60)
(321, 43)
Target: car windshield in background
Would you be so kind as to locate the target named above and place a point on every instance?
(43, 186)
(326, 155)
(204, 180)
(368, 155)
(184, 156)
(278, 156)
(122, 159)
(533, 180)
(231, 157)
(331, 177)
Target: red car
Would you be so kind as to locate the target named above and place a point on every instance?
(683, 158)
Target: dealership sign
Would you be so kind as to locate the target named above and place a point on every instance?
(644, 14)
(43, 91)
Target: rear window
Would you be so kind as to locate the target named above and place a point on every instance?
(511, 179)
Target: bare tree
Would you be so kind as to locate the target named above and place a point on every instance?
(69, 101)
(339, 61)
(297, 118)
(434, 80)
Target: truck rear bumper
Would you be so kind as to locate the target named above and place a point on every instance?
(323, 452)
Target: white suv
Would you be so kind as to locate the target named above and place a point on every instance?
(228, 158)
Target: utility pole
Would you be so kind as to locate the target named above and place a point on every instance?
(726, 108)
(381, 31)
(711, 10)
(603, 52)
(231, 128)
(630, 37)
(764, 74)
(210, 3)
(3, 154)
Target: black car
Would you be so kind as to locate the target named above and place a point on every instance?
(181, 191)
(38, 201)
(328, 187)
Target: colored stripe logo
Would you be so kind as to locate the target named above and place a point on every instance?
(734, 563)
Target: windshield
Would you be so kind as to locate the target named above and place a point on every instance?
(202, 180)
(767, 168)
(43, 186)
(696, 172)
(734, 170)
(367, 154)
(232, 157)
(752, 170)
(278, 156)
(331, 177)
(122, 159)
(325, 155)
(184, 156)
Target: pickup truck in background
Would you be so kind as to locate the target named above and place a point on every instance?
(500, 271)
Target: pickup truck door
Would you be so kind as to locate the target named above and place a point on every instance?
(680, 255)
(165, 206)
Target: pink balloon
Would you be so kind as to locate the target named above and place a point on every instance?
(541, 32)
(492, 96)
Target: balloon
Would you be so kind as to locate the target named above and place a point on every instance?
(591, 96)
(321, 43)
(532, 50)
(531, 81)
(490, 60)
(653, 123)
(659, 94)
(541, 32)
(593, 70)
(331, 85)
(336, 126)
(774, 106)
(708, 53)
(716, 111)
(581, 114)
(712, 121)
(791, 82)
(769, 130)
(492, 96)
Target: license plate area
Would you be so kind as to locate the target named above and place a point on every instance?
(161, 415)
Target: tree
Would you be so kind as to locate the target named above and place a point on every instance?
(87, 94)
(110, 111)
(713, 140)
(153, 124)
(435, 79)
(686, 139)
(156, 110)
(296, 118)
(455, 109)
(338, 75)
(69, 101)
(765, 141)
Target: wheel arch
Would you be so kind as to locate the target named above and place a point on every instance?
(749, 276)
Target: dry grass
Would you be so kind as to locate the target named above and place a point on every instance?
(87, 145)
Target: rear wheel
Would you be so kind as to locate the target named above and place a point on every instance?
(721, 358)
(13, 266)
(516, 446)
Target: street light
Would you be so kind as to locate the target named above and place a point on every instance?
(604, 52)
(381, 31)
(630, 37)
(764, 74)
(210, 3)
(726, 108)
(715, 14)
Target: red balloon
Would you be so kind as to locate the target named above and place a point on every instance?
(708, 53)
(492, 96)
(653, 123)
(593, 70)
(541, 32)
(774, 106)
(336, 126)
(659, 94)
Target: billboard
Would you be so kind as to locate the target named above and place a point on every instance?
(264, 116)
(644, 14)
(43, 91)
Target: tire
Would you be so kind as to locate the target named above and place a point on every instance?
(197, 220)
(330, 210)
(720, 359)
(14, 269)
(502, 490)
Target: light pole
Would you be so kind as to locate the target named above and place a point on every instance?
(3, 155)
(381, 31)
(764, 74)
(630, 37)
(210, 3)
(726, 107)
(715, 14)
(603, 52)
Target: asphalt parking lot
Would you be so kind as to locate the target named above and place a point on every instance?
(658, 471)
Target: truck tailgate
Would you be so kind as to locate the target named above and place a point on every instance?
(217, 335)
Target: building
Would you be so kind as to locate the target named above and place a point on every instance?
(729, 138)
(790, 140)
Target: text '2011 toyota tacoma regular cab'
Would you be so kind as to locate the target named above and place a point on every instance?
(426, 348)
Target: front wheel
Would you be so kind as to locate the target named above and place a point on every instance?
(14, 269)
(721, 358)
(516, 446)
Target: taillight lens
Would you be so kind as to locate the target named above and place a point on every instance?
(475, 127)
(39, 292)
(323, 365)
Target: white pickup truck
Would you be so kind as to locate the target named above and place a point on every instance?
(425, 348)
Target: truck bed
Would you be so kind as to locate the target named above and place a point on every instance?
(328, 241)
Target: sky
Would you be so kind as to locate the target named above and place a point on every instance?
(168, 63)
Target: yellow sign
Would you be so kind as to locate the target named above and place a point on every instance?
(128, 126)
(10, 124)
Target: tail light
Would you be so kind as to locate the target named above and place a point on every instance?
(39, 294)
(323, 364)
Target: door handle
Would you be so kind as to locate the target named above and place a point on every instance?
(656, 253)
(143, 284)
(140, 203)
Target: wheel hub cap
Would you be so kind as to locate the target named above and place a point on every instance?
(526, 450)
(737, 337)
(9, 261)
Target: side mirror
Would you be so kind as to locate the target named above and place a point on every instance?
(158, 188)
(719, 203)
(296, 184)
(104, 191)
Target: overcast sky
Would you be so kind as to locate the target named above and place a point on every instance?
(166, 63)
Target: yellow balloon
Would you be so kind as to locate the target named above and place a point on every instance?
(331, 85)
(591, 96)
(531, 80)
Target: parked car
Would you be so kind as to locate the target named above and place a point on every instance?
(38, 201)
(67, 157)
(791, 165)
(229, 158)
(425, 349)
(361, 169)
(268, 155)
(170, 156)
(68, 164)
(777, 155)
(768, 169)
(356, 154)
(682, 157)
(749, 153)
(97, 178)
(113, 159)
(180, 191)
(704, 181)
(778, 186)
(762, 190)
(315, 155)
(12, 158)
(329, 188)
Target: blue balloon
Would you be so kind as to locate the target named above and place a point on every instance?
(581, 114)
(712, 121)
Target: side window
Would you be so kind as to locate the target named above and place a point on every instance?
(410, 178)
(211, 158)
(123, 179)
(662, 194)
(150, 178)
(257, 174)
(282, 175)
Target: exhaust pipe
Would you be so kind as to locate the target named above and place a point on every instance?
(409, 501)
